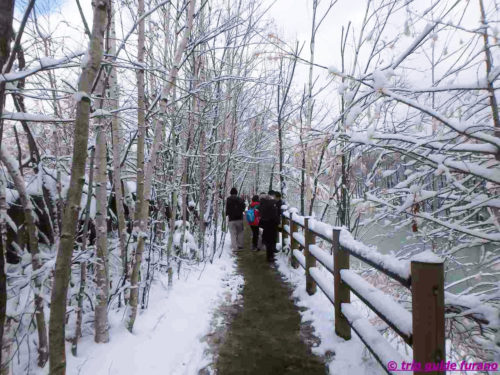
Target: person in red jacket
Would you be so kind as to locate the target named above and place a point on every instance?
(254, 225)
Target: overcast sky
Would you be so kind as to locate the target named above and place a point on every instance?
(292, 20)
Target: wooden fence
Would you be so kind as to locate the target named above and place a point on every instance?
(422, 328)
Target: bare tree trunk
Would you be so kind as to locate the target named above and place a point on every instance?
(149, 168)
(72, 207)
(203, 199)
(6, 347)
(303, 162)
(185, 168)
(6, 17)
(175, 153)
(116, 133)
(140, 203)
(141, 122)
(307, 161)
(54, 207)
(494, 109)
(47, 205)
(184, 183)
(281, 103)
(101, 267)
(29, 219)
(83, 265)
(317, 174)
(3, 251)
(173, 214)
(343, 208)
(202, 164)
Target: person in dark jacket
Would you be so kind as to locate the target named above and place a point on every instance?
(235, 206)
(279, 203)
(254, 225)
(269, 220)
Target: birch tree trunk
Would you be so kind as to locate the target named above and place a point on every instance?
(29, 219)
(494, 110)
(307, 161)
(3, 251)
(72, 206)
(141, 134)
(83, 265)
(343, 209)
(202, 163)
(141, 119)
(116, 134)
(202, 191)
(6, 17)
(6, 348)
(186, 159)
(203, 199)
(101, 267)
(172, 37)
(149, 168)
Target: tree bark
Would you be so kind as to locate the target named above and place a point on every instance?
(83, 265)
(29, 219)
(139, 207)
(494, 109)
(489, 64)
(72, 206)
(101, 266)
(306, 160)
(116, 134)
(6, 17)
(3, 251)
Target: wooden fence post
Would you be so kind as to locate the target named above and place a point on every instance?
(310, 239)
(284, 233)
(341, 290)
(427, 287)
(293, 241)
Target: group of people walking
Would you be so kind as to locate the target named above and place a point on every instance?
(264, 211)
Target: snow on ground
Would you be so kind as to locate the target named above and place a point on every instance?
(168, 335)
(351, 357)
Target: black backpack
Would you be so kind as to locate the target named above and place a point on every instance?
(235, 207)
(268, 210)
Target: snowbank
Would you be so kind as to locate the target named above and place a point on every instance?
(344, 357)
(167, 336)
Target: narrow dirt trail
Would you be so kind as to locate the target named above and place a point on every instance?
(264, 335)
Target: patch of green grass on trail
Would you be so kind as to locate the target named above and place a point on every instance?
(264, 335)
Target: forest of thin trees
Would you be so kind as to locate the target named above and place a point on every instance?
(124, 125)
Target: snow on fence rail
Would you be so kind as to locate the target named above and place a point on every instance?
(390, 311)
(422, 329)
(397, 269)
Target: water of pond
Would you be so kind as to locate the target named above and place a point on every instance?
(388, 241)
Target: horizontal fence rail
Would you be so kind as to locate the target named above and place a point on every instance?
(422, 328)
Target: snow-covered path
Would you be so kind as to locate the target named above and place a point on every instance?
(168, 336)
(265, 335)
